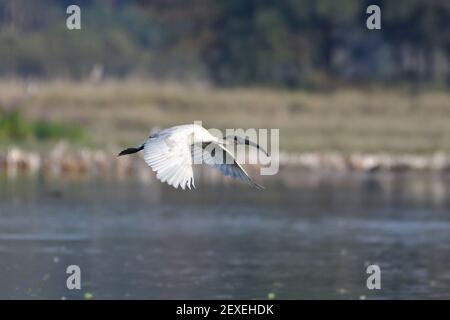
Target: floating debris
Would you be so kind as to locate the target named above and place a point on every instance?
(88, 296)
(342, 291)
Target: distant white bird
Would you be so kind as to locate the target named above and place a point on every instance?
(172, 151)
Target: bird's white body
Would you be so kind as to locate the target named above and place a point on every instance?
(172, 151)
(192, 133)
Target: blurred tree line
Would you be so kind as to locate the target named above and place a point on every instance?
(231, 42)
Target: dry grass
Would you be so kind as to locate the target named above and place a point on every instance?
(122, 113)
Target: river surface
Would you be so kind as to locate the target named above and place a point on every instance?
(307, 236)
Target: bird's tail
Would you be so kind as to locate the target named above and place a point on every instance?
(130, 150)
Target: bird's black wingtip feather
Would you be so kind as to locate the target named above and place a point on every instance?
(130, 151)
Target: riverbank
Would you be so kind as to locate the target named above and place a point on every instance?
(395, 121)
(62, 160)
(364, 130)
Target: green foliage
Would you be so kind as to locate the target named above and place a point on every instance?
(14, 127)
(232, 42)
(44, 130)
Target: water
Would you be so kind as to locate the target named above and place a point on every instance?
(308, 235)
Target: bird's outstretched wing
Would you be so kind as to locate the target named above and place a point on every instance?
(171, 160)
(219, 157)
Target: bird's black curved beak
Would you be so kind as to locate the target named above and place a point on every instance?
(251, 143)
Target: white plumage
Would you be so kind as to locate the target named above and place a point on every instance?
(171, 153)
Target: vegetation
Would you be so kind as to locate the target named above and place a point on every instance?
(290, 43)
(116, 114)
(15, 128)
(308, 67)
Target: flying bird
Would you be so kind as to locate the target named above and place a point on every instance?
(172, 152)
